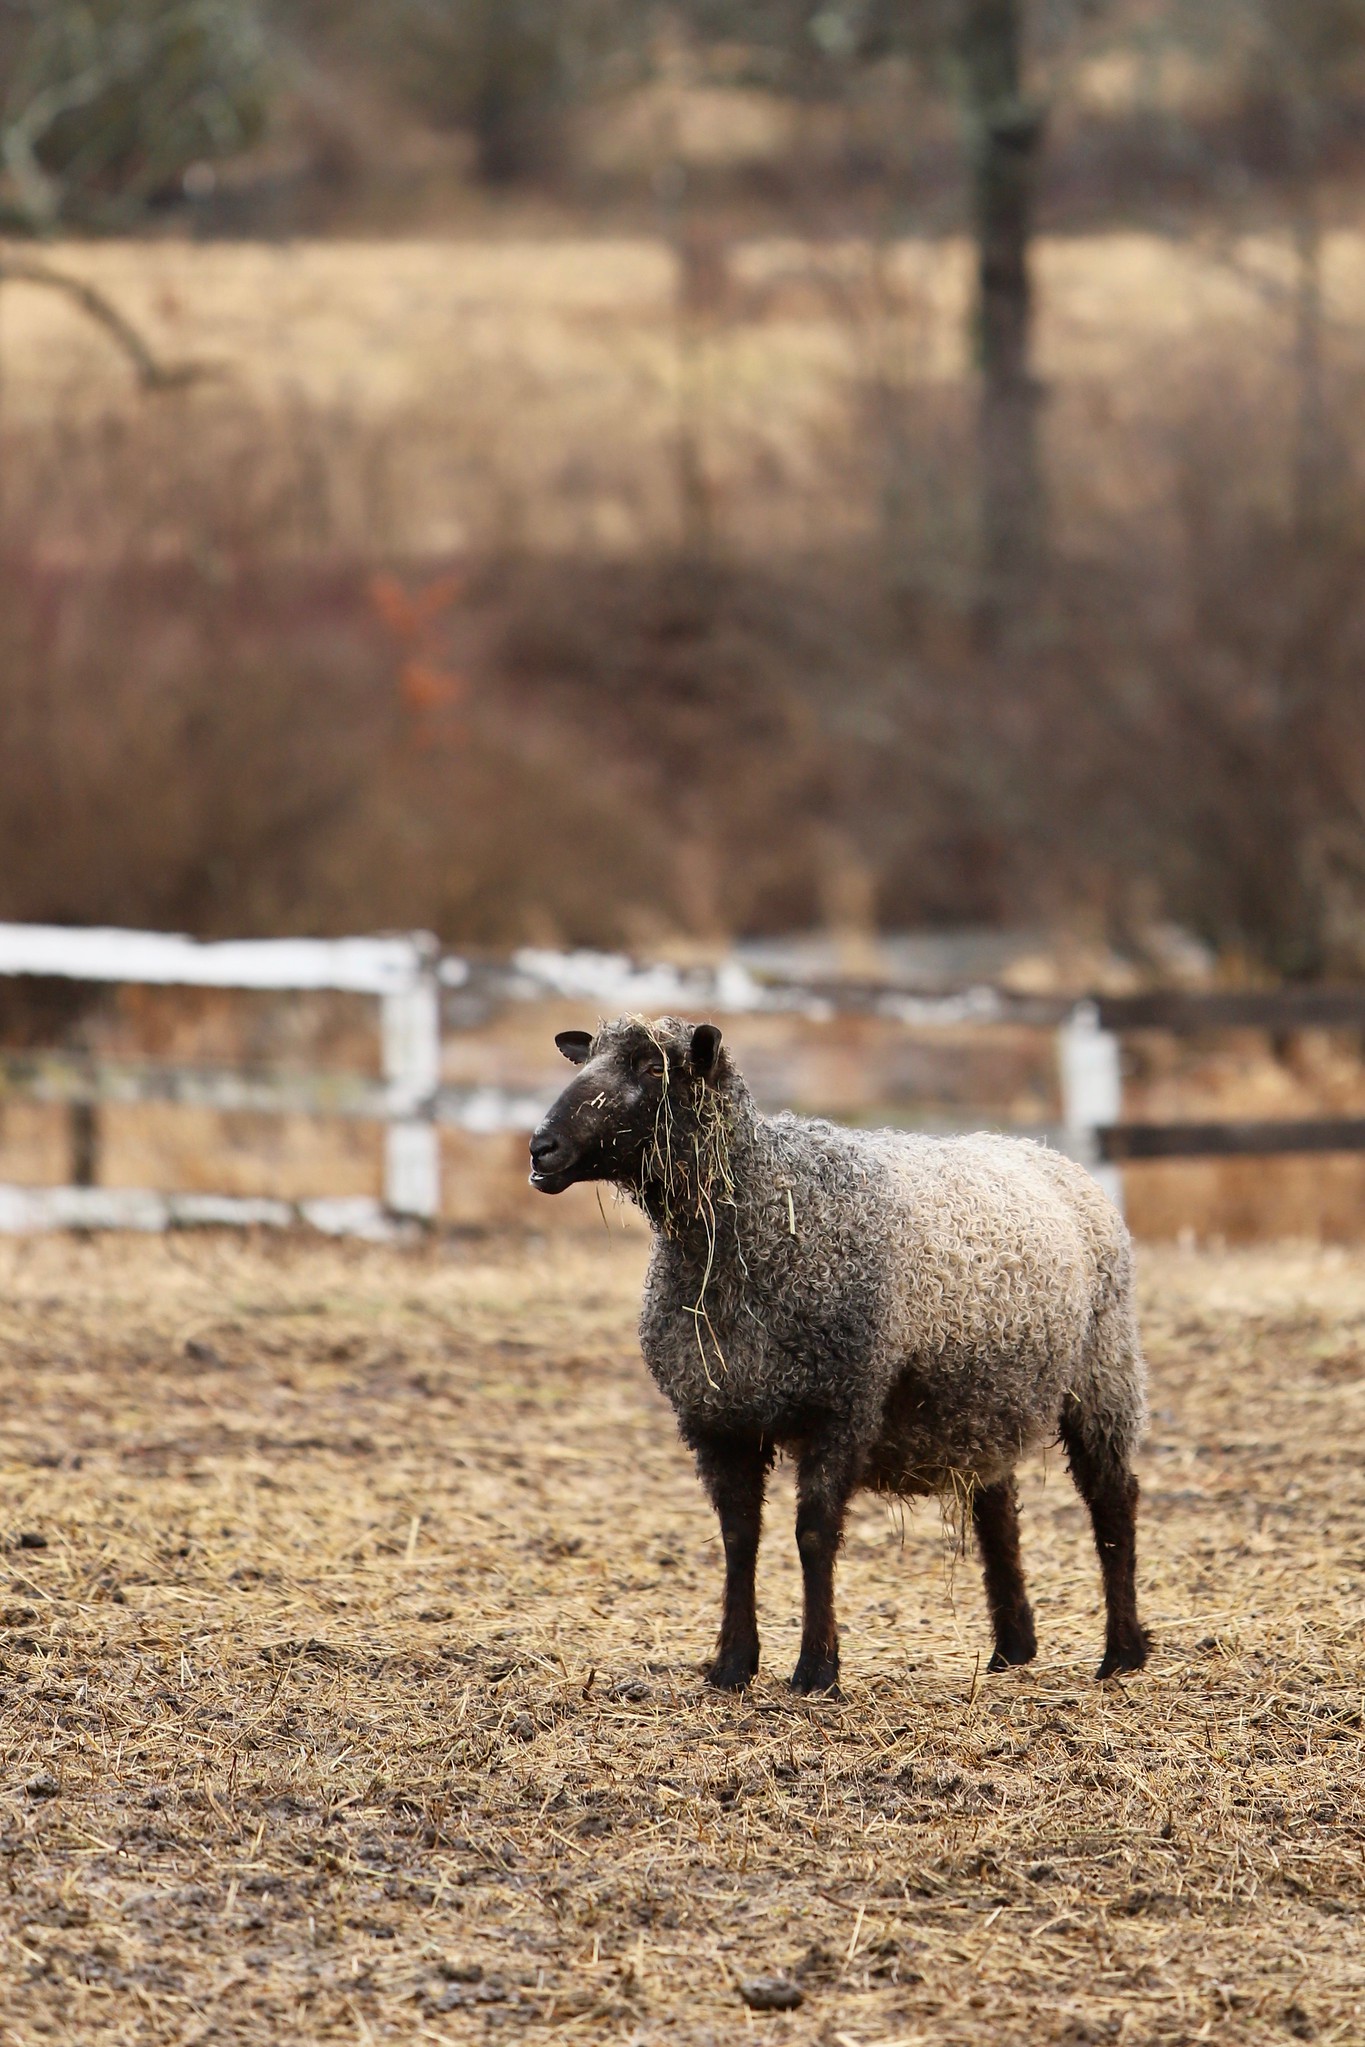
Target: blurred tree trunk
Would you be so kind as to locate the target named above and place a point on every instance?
(517, 88)
(1313, 465)
(1309, 89)
(703, 278)
(1005, 133)
(700, 257)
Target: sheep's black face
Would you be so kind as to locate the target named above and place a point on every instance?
(605, 1125)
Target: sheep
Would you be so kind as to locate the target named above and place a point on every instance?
(900, 1313)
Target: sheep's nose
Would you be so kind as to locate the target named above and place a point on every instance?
(544, 1145)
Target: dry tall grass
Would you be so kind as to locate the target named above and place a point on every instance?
(354, 1608)
(424, 396)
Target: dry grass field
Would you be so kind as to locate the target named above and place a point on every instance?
(353, 1605)
(430, 396)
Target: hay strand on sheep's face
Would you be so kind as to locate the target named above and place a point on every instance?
(687, 1182)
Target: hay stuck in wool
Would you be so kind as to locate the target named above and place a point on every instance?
(695, 1180)
(345, 1703)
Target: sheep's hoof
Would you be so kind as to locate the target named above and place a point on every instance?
(732, 1673)
(1013, 1649)
(817, 1674)
(1127, 1657)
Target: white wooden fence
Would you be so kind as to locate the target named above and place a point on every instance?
(400, 972)
(407, 976)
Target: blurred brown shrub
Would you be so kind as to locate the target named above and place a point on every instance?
(234, 751)
(256, 726)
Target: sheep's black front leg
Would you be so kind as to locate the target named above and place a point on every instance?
(824, 1484)
(995, 1517)
(734, 1470)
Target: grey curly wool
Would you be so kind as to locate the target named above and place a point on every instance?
(898, 1312)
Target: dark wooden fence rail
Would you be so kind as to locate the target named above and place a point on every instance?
(1267, 1009)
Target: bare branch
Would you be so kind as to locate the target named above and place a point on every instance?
(152, 373)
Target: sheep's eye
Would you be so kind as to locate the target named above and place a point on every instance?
(650, 1066)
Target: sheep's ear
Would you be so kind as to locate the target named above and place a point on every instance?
(575, 1045)
(705, 1051)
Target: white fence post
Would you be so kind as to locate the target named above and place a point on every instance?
(1092, 1092)
(412, 1067)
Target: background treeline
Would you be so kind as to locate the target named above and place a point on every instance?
(321, 106)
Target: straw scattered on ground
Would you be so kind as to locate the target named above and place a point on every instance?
(352, 1607)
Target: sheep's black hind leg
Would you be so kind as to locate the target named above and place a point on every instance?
(734, 1470)
(995, 1517)
(1110, 1490)
(823, 1488)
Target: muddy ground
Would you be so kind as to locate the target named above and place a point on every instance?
(351, 1610)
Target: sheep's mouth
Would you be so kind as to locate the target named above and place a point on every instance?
(556, 1160)
(555, 1164)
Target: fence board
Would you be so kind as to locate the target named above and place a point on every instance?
(27, 1210)
(71, 1081)
(1273, 1009)
(358, 966)
(1121, 1142)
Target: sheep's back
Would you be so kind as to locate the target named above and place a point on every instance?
(995, 1279)
(991, 1253)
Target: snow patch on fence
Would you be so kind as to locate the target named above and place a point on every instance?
(359, 966)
